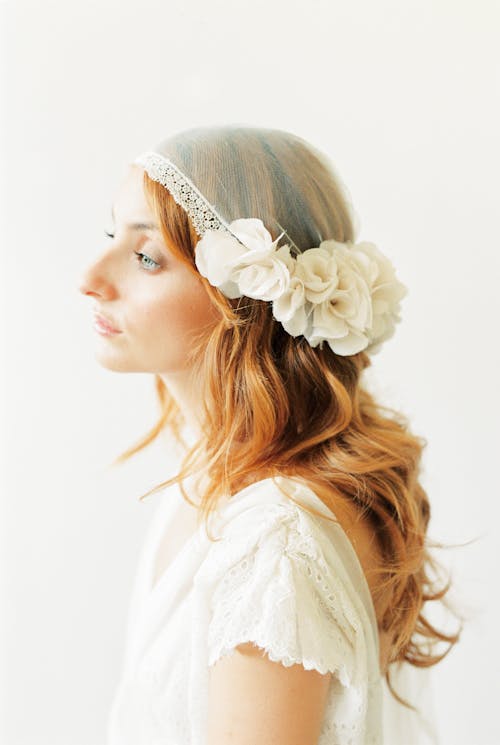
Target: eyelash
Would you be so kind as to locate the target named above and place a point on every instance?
(140, 255)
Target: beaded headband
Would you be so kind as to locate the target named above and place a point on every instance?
(346, 294)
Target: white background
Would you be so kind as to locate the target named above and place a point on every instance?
(403, 95)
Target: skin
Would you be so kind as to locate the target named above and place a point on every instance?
(155, 300)
(158, 307)
(253, 700)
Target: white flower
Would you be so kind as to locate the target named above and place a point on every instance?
(290, 308)
(256, 269)
(213, 254)
(317, 268)
(343, 311)
(314, 279)
(343, 293)
(264, 275)
(386, 292)
(253, 234)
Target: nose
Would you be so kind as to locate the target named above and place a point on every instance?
(84, 288)
(83, 285)
(93, 282)
(88, 283)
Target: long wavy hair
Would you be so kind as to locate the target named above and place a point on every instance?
(301, 411)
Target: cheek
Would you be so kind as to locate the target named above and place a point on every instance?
(179, 311)
(196, 311)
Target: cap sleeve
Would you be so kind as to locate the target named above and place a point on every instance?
(278, 583)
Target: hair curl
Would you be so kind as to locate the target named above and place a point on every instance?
(303, 412)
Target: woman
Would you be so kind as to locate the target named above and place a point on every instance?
(234, 277)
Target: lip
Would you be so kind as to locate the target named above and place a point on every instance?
(102, 324)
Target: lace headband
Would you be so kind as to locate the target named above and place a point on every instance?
(202, 214)
(346, 294)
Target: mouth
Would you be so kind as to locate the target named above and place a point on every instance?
(103, 326)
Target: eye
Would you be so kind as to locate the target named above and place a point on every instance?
(145, 256)
(153, 265)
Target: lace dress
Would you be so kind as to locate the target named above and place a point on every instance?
(280, 577)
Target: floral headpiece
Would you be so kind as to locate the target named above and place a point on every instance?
(346, 294)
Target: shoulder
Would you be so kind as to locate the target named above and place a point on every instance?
(280, 620)
(274, 500)
(273, 579)
(273, 515)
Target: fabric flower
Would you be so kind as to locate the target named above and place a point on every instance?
(344, 315)
(291, 307)
(213, 255)
(256, 269)
(318, 270)
(264, 275)
(346, 294)
(253, 234)
(386, 293)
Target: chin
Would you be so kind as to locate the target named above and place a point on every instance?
(114, 362)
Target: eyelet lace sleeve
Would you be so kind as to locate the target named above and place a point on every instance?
(275, 588)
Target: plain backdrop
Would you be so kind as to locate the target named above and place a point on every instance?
(403, 95)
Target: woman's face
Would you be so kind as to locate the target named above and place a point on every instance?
(155, 301)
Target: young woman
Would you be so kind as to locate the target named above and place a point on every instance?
(281, 590)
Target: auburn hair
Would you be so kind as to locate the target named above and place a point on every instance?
(303, 412)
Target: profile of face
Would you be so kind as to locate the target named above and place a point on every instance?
(154, 300)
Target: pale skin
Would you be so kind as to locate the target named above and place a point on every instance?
(158, 303)
(155, 300)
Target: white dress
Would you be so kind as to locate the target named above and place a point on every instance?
(280, 577)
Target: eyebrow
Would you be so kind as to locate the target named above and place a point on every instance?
(137, 225)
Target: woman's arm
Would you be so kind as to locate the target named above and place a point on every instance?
(254, 701)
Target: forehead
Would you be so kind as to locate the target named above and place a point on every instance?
(130, 202)
(130, 190)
